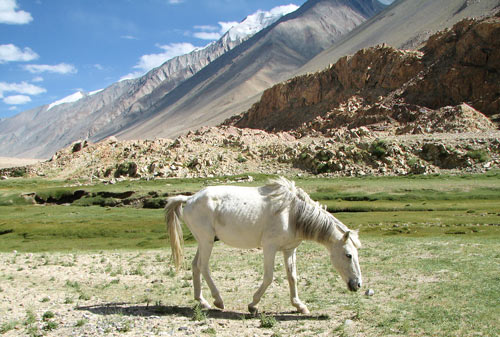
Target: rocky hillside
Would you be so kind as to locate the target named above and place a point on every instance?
(227, 150)
(383, 87)
(381, 111)
(406, 24)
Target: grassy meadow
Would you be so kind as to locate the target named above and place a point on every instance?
(431, 253)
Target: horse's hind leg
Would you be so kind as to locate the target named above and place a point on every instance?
(197, 281)
(291, 272)
(269, 255)
(205, 250)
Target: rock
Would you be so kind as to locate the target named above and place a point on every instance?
(424, 93)
(369, 292)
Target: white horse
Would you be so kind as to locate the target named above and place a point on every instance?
(276, 217)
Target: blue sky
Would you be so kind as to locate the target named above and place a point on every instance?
(50, 49)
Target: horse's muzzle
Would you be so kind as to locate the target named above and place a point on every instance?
(354, 284)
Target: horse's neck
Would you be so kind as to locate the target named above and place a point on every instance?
(314, 223)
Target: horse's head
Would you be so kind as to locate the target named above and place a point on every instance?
(344, 257)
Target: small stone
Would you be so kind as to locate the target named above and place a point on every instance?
(369, 292)
(348, 322)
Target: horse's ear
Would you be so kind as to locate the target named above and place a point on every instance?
(346, 236)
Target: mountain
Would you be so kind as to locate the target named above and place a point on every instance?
(453, 77)
(200, 88)
(406, 24)
(41, 131)
(234, 81)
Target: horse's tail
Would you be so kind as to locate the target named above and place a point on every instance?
(173, 213)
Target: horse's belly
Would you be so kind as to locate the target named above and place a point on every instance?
(238, 238)
(240, 223)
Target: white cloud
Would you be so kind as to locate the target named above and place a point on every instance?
(20, 88)
(150, 61)
(37, 79)
(61, 68)
(10, 15)
(128, 37)
(17, 99)
(207, 28)
(207, 35)
(225, 26)
(207, 32)
(12, 53)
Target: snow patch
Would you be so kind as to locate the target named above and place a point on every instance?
(95, 92)
(254, 23)
(68, 99)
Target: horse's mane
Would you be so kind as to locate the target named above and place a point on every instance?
(312, 220)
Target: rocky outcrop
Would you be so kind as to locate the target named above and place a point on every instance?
(371, 73)
(463, 65)
(226, 151)
(382, 87)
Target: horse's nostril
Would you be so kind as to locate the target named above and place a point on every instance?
(359, 285)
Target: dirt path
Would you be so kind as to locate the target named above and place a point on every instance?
(6, 162)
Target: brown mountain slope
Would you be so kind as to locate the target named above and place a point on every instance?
(234, 81)
(384, 85)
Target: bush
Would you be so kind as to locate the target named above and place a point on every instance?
(198, 313)
(48, 315)
(267, 321)
(480, 156)
(18, 172)
(241, 159)
(126, 169)
(378, 149)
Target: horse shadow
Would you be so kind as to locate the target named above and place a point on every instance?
(129, 309)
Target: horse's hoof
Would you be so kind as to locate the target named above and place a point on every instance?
(219, 305)
(304, 310)
(205, 305)
(253, 310)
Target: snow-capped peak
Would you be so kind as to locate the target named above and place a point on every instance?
(254, 23)
(68, 99)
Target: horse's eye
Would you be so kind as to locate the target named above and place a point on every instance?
(349, 256)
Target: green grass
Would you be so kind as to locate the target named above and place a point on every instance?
(409, 206)
(431, 286)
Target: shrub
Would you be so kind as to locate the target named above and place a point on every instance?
(480, 156)
(198, 313)
(241, 159)
(7, 326)
(267, 321)
(378, 149)
(51, 325)
(47, 315)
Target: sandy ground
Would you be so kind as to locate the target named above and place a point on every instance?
(136, 293)
(6, 162)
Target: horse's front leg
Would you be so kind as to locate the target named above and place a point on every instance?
(205, 250)
(269, 255)
(291, 272)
